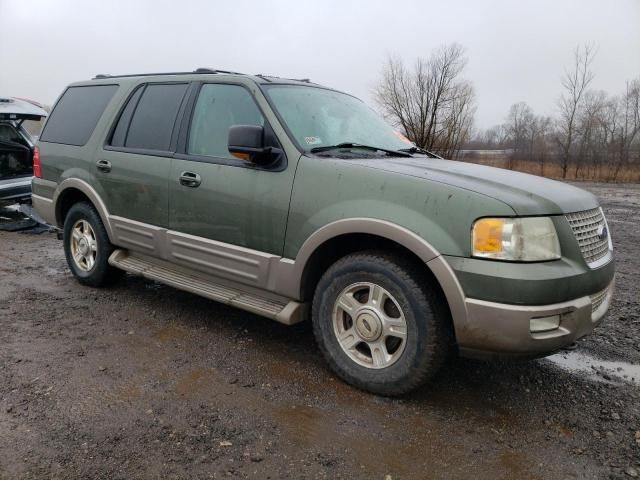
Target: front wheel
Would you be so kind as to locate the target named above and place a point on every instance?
(380, 323)
(87, 247)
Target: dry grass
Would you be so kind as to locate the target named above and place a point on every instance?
(600, 173)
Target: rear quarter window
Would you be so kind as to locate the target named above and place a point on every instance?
(76, 114)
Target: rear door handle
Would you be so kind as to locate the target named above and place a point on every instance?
(190, 179)
(104, 165)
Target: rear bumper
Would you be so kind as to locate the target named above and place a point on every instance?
(495, 329)
(45, 208)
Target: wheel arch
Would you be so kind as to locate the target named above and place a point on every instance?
(74, 190)
(342, 237)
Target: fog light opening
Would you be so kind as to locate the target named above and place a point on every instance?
(544, 324)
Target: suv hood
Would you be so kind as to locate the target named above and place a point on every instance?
(18, 109)
(525, 194)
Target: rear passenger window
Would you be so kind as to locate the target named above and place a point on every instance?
(76, 114)
(120, 132)
(154, 117)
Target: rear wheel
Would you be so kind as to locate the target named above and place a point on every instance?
(87, 247)
(379, 322)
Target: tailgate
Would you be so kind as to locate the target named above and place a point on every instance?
(17, 109)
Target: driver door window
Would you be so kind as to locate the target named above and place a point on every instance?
(218, 108)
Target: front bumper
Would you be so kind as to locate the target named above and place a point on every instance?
(496, 329)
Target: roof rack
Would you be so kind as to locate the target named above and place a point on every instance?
(270, 78)
(201, 70)
(215, 70)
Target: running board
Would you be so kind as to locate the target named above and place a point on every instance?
(268, 305)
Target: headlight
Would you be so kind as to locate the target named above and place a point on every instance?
(528, 239)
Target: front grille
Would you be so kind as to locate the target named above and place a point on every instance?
(597, 299)
(585, 227)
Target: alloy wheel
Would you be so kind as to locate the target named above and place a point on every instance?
(369, 325)
(84, 246)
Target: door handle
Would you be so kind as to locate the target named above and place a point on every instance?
(104, 165)
(190, 179)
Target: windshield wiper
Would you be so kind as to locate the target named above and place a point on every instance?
(420, 150)
(398, 153)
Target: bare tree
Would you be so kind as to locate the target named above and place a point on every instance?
(541, 133)
(431, 103)
(457, 122)
(527, 135)
(575, 82)
(609, 121)
(519, 130)
(491, 136)
(589, 131)
(629, 122)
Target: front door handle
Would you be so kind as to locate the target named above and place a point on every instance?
(190, 179)
(104, 165)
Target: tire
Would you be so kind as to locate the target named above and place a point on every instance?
(391, 364)
(91, 241)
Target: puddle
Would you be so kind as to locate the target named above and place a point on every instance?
(170, 333)
(596, 369)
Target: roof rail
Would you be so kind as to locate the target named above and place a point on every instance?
(215, 70)
(201, 70)
(269, 78)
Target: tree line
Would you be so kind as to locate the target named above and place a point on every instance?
(593, 134)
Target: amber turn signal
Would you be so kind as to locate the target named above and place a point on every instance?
(487, 235)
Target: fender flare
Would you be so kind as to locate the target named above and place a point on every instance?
(446, 277)
(93, 196)
(372, 226)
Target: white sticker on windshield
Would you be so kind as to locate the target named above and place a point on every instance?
(312, 140)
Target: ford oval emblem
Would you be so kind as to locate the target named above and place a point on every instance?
(602, 232)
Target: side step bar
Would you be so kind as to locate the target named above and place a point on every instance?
(267, 305)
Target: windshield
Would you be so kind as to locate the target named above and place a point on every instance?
(318, 117)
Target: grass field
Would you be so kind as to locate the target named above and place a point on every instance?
(552, 169)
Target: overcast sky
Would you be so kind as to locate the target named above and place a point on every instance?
(516, 50)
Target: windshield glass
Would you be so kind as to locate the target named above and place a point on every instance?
(318, 117)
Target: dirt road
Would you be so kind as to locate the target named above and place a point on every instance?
(144, 381)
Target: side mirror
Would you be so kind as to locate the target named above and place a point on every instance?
(247, 143)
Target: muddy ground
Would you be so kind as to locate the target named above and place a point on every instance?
(145, 381)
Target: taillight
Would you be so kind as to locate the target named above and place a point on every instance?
(37, 166)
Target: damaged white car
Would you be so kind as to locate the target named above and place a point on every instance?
(17, 148)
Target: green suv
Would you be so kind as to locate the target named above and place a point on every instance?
(293, 201)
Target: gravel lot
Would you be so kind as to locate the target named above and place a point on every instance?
(144, 381)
